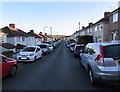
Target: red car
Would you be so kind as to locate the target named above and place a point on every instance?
(8, 66)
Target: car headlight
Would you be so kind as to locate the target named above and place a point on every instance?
(32, 54)
(18, 54)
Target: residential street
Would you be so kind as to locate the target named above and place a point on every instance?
(57, 71)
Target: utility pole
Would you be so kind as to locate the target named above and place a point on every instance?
(79, 28)
(51, 31)
(44, 28)
(57, 35)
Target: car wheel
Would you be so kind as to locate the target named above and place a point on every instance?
(13, 71)
(35, 59)
(40, 56)
(91, 77)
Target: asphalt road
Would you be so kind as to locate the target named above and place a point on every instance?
(58, 70)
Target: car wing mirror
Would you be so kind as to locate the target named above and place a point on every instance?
(82, 51)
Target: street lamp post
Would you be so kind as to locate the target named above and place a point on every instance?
(44, 28)
(57, 35)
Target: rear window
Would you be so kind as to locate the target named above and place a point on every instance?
(72, 45)
(112, 51)
(43, 46)
(80, 47)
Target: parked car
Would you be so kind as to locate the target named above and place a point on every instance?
(8, 66)
(72, 45)
(77, 49)
(29, 53)
(51, 47)
(45, 48)
(102, 62)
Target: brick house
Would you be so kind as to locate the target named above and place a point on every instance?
(114, 25)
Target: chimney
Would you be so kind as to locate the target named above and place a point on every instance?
(46, 34)
(12, 26)
(32, 31)
(90, 23)
(83, 27)
(40, 33)
(106, 14)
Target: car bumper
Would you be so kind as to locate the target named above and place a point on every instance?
(25, 59)
(107, 78)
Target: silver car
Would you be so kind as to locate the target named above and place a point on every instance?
(102, 61)
(45, 48)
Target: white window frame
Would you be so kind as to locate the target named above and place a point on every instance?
(95, 28)
(115, 17)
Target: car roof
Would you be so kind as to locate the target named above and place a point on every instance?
(103, 43)
(43, 44)
(33, 46)
(80, 45)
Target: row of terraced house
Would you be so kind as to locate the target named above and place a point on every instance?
(106, 29)
(14, 39)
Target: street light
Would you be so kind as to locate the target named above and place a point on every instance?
(57, 35)
(44, 28)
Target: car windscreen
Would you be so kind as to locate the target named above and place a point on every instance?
(72, 45)
(29, 49)
(80, 47)
(112, 51)
(43, 46)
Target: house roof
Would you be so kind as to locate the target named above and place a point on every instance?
(118, 9)
(104, 20)
(34, 34)
(46, 36)
(12, 33)
(7, 45)
(20, 46)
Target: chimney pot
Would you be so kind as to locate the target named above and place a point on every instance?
(106, 14)
(40, 33)
(83, 27)
(12, 25)
(32, 31)
(90, 23)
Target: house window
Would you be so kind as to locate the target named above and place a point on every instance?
(90, 30)
(18, 39)
(87, 30)
(23, 39)
(32, 38)
(29, 38)
(115, 17)
(100, 27)
(95, 28)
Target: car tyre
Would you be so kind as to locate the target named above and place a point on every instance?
(35, 59)
(40, 56)
(13, 71)
(91, 77)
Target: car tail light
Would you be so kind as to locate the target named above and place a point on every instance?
(100, 57)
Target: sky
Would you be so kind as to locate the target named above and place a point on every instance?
(62, 17)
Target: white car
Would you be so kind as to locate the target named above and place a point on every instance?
(51, 47)
(29, 53)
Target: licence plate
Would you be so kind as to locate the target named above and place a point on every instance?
(24, 58)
